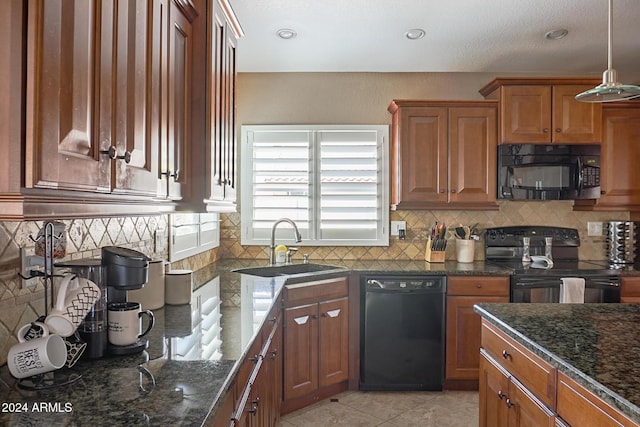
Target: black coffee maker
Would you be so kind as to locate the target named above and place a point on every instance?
(93, 329)
(125, 269)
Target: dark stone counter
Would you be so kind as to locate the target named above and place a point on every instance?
(193, 355)
(595, 344)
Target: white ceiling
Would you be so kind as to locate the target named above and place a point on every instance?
(498, 36)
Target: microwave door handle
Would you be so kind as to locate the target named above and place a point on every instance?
(579, 175)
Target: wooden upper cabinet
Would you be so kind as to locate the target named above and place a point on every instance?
(136, 94)
(223, 34)
(620, 175)
(443, 154)
(69, 95)
(545, 111)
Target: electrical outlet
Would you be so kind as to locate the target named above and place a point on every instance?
(396, 226)
(594, 228)
(26, 265)
(160, 240)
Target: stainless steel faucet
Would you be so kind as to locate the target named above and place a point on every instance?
(272, 247)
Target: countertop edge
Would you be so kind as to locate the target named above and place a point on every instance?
(608, 395)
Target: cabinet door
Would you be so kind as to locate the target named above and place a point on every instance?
(222, 116)
(472, 155)
(228, 122)
(69, 103)
(421, 157)
(175, 162)
(300, 350)
(494, 386)
(620, 175)
(463, 336)
(137, 97)
(526, 114)
(333, 344)
(575, 122)
(526, 410)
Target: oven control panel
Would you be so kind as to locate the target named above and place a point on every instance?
(512, 236)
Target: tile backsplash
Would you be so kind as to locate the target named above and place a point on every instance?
(550, 213)
(86, 236)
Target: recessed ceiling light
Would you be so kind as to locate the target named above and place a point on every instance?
(415, 34)
(286, 33)
(556, 34)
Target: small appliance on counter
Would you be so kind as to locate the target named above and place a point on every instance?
(621, 240)
(93, 329)
(125, 269)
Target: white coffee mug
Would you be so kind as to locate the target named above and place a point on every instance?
(124, 320)
(76, 297)
(36, 356)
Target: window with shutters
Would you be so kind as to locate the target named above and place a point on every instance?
(331, 180)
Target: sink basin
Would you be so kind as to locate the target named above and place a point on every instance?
(286, 270)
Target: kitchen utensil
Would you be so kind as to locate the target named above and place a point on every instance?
(76, 297)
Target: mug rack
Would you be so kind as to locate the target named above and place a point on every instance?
(60, 377)
(46, 262)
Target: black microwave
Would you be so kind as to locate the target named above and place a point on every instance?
(548, 171)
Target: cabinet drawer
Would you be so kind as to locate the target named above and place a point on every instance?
(478, 285)
(536, 374)
(630, 287)
(319, 290)
(580, 407)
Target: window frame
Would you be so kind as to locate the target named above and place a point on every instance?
(246, 185)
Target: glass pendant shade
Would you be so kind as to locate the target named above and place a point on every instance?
(610, 90)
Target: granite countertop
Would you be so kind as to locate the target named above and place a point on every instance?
(595, 344)
(193, 355)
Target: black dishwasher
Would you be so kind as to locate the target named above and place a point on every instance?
(402, 332)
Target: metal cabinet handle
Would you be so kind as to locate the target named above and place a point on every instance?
(506, 354)
(509, 403)
(545, 130)
(558, 130)
(501, 395)
(255, 358)
(112, 153)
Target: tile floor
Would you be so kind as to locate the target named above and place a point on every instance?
(389, 409)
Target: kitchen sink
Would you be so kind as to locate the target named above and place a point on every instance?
(286, 270)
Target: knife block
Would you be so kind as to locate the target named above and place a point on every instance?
(431, 255)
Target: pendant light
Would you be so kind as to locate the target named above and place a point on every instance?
(610, 90)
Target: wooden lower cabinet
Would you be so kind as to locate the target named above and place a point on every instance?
(504, 401)
(463, 325)
(517, 388)
(259, 381)
(580, 407)
(630, 290)
(316, 342)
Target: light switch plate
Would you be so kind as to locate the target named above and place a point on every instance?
(396, 226)
(594, 228)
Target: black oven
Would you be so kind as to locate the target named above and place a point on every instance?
(548, 171)
(599, 289)
(539, 282)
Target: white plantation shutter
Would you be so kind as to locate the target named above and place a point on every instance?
(331, 180)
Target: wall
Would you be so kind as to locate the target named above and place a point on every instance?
(85, 237)
(363, 98)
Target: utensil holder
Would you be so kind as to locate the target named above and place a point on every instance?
(465, 250)
(431, 255)
(621, 240)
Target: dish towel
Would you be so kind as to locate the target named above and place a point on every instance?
(572, 290)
